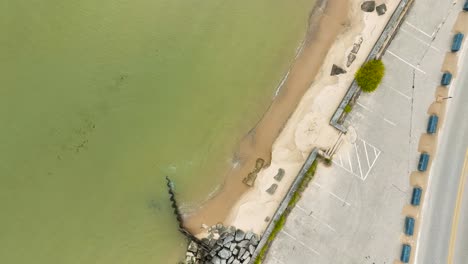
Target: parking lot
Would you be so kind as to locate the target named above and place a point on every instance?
(352, 211)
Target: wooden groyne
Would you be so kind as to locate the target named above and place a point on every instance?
(179, 218)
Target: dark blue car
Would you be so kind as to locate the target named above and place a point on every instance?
(457, 42)
(405, 253)
(446, 78)
(416, 197)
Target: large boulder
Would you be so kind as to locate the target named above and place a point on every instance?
(224, 253)
(272, 189)
(239, 235)
(249, 235)
(229, 238)
(381, 9)
(216, 260)
(351, 58)
(336, 70)
(368, 6)
(193, 247)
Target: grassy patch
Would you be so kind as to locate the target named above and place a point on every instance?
(369, 76)
(282, 220)
(348, 108)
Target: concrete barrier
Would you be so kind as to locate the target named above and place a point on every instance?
(377, 51)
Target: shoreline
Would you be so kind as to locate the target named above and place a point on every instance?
(327, 21)
(309, 126)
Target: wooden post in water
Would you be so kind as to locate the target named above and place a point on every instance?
(179, 218)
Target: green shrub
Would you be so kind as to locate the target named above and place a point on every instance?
(294, 199)
(369, 76)
(348, 108)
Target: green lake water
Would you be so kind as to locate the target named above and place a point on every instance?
(99, 100)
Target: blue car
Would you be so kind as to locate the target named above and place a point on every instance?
(457, 42)
(409, 226)
(405, 253)
(446, 78)
(416, 198)
(432, 124)
(423, 162)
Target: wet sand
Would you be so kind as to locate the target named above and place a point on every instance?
(327, 21)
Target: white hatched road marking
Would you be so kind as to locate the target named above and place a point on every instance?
(367, 156)
(300, 242)
(357, 155)
(376, 157)
(409, 64)
(367, 149)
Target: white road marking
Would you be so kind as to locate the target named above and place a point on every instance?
(341, 160)
(413, 26)
(365, 150)
(402, 94)
(390, 122)
(420, 40)
(349, 160)
(339, 199)
(370, 168)
(277, 260)
(332, 194)
(409, 64)
(361, 105)
(361, 174)
(300, 242)
(357, 157)
(316, 218)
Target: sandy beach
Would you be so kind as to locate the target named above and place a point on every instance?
(327, 21)
(297, 119)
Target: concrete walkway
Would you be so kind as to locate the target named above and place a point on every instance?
(352, 211)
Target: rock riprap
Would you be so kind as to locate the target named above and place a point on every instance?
(227, 245)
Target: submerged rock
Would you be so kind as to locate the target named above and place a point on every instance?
(192, 247)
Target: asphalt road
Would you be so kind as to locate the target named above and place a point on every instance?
(442, 194)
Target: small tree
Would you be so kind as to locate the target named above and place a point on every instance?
(369, 76)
